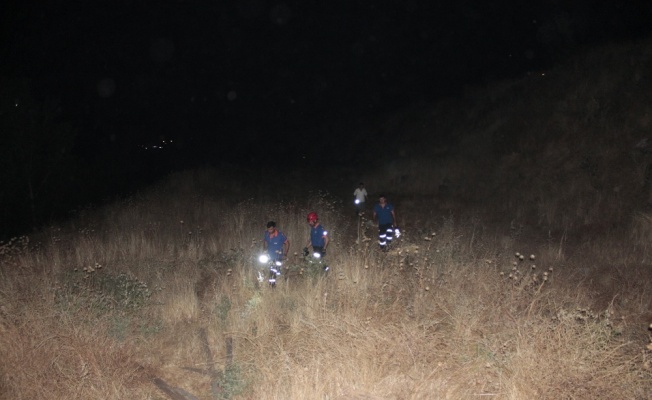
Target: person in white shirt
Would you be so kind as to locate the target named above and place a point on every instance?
(360, 195)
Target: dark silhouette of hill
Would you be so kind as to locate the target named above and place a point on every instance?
(566, 148)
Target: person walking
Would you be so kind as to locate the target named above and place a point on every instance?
(360, 195)
(385, 215)
(318, 235)
(275, 243)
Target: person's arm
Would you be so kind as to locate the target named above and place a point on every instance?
(286, 248)
(264, 244)
(394, 218)
(325, 241)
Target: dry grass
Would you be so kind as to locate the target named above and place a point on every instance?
(100, 310)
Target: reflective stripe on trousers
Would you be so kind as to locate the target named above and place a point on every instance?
(385, 234)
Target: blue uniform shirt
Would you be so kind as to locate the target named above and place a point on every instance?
(317, 234)
(275, 244)
(384, 214)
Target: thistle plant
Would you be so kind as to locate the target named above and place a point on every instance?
(95, 289)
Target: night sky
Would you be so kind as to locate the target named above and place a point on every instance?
(223, 79)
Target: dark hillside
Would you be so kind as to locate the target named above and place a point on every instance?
(562, 149)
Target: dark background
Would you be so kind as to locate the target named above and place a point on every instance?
(99, 98)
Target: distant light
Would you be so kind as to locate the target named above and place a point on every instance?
(106, 87)
(280, 14)
(161, 50)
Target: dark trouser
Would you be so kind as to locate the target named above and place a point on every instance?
(359, 208)
(318, 249)
(385, 235)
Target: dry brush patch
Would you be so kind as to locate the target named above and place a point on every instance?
(50, 354)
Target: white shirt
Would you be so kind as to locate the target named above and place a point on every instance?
(360, 194)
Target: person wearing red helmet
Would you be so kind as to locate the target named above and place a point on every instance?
(318, 234)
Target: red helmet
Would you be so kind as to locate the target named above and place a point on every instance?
(313, 216)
